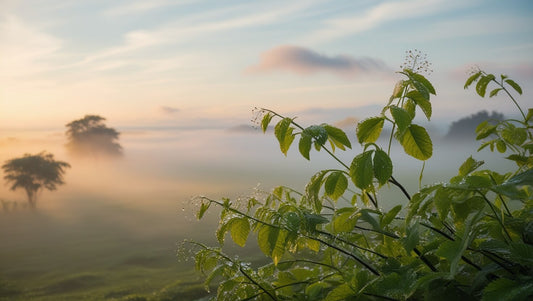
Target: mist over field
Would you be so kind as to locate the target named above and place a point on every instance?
(119, 221)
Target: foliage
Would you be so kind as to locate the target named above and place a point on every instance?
(90, 136)
(34, 173)
(469, 238)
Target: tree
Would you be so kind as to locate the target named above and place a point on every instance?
(90, 136)
(465, 128)
(34, 173)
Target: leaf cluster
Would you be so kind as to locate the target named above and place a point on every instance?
(468, 238)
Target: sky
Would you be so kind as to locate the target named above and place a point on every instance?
(199, 63)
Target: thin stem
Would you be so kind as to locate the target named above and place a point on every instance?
(331, 236)
(425, 260)
(397, 184)
(496, 215)
(361, 261)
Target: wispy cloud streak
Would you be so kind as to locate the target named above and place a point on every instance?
(304, 61)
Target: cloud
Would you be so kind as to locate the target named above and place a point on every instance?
(382, 13)
(304, 61)
(27, 48)
(168, 110)
(142, 7)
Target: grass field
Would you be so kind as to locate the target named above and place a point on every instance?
(112, 232)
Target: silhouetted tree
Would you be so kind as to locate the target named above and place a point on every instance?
(465, 128)
(90, 136)
(34, 173)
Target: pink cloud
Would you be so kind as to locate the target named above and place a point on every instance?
(304, 61)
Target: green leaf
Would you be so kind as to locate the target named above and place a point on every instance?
(421, 79)
(442, 203)
(382, 166)
(283, 132)
(312, 190)
(500, 146)
(316, 291)
(514, 85)
(472, 78)
(336, 184)
(338, 136)
(319, 133)
(495, 92)
(312, 220)
(293, 221)
(469, 166)
(266, 121)
(361, 170)
(481, 86)
(368, 130)
(240, 228)
(529, 114)
(484, 129)
(203, 209)
(389, 216)
(412, 236)
(422, 102)
(417, 143)
(267, 237)
(304, 145)
(401, 117)
(504, 289)
(339, 293)
(345, 219)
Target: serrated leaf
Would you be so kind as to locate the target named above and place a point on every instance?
(469, 166)
(500, 146)
(494, 92)
(417, 143)
(398, 89)
(283, 132)
(484, 129)
(390, 215)
(345, 219)
(266, 121)
(421, 79)
(361, 170)
(401, 117)
(368, 130)
(266, 239)
(422, 102)
(515, 86)
(472, 78)
(340, 292)
(319, 133)
(312, 220)
(312, 190)
(422, 89)
(442, 203)
(203, 209)
(504, 289)
(335, 185)
(410, 106)
(338, 136)
(529, 114)
(304, 145)
(412, 237)
(482, 84)
(240, 228)
(382, 166)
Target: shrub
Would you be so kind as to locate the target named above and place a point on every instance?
(461, 239)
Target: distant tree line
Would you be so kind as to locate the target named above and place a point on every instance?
(465, 128)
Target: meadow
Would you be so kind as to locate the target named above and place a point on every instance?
(113, 231)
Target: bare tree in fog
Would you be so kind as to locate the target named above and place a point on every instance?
(34, 173)
(90, 136)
